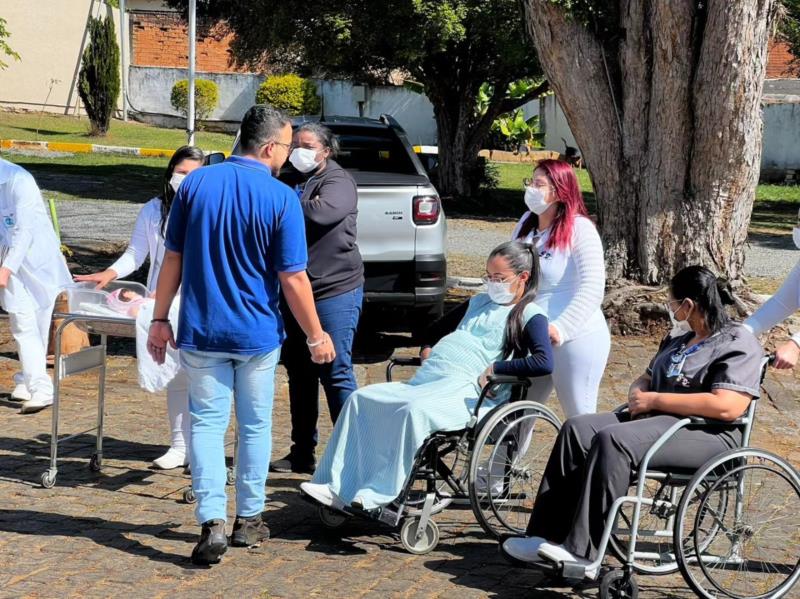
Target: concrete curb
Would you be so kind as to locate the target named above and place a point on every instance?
(82, 148)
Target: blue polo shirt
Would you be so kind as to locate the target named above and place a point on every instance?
(236, 227)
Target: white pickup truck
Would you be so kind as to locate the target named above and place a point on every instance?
(402, 230)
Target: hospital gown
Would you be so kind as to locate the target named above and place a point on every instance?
(382, 427)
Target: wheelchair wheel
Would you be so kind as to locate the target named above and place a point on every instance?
(507, 462)
(617, 584)
(748, 548)
(419, 544)
(331, 519)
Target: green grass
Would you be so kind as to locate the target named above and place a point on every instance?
(50, 127)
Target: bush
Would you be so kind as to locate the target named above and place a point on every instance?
(206, 97)
(291, 93)
(98, 82)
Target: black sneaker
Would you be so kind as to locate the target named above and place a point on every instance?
(248, 532)
(212, 545)
(292, 464)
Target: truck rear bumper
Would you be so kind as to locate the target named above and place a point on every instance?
(421, 282)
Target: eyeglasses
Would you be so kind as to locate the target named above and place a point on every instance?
(289, 147)
(528, 182)
(497, 279)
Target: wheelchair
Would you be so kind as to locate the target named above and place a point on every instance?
(732, 528)
(494, 465)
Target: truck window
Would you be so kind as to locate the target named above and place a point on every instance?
(373, 150)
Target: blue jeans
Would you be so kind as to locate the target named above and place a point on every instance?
(338, 316)
(214, 379)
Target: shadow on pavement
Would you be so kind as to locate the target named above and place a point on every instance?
(111, 534)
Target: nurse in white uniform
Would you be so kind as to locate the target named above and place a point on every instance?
(32, 274)
(571, 286)
(779, 307)
(148, 240)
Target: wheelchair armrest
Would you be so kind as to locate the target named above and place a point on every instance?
(507, 379)
(714, 422)
(405, 361)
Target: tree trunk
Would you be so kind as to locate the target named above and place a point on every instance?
(457, 157)
(668, 119)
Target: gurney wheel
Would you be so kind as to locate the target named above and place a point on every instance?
(95, 463)
(48, 480)
(188, 495)
(331, 519)
(617, 584)
(427, 541)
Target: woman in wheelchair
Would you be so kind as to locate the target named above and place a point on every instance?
(382, 427)
(709, 366)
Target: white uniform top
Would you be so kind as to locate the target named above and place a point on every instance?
(779, 307)
(28, 244)
(145, 239)
(572, 280)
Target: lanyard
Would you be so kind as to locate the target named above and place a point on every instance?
(678, 359)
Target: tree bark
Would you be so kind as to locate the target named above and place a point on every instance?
(668, 118)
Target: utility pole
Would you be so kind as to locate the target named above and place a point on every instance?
(123, 23)
(192, 33)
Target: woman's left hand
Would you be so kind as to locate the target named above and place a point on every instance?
(555, 336)
(483, 379)
(641, 402)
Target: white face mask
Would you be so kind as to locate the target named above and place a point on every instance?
(679, 327)
(535, 200)
(796, 237)
(175, 181)
(500, 291)
(304, 159)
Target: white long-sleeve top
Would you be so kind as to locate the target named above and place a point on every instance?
(146, 240)
(572, 280)
(779, 307)
(28, 244)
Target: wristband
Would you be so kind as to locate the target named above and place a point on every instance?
(159, 320)
(320, 342)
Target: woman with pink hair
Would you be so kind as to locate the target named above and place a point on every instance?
(571, 285)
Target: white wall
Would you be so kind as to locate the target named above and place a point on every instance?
(413, 111)
(49, 36)
(150, 89)
(781, 136)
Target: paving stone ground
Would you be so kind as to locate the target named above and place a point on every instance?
(126, 531)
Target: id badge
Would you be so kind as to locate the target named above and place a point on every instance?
(675, 368)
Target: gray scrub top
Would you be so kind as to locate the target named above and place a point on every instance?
(729, 359)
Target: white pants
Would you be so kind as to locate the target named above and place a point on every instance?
(30, 328)
(578, 367)
(178, 410)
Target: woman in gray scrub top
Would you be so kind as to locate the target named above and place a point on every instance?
(712, 369)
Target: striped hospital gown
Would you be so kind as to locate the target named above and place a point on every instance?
(381, 427)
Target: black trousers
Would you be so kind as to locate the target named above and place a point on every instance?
(592, 465)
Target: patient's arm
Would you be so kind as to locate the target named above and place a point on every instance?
(539, 361)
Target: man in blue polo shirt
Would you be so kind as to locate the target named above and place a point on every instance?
(235, 233)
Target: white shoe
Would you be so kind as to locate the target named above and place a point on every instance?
(322, 494)
(557, 553)
(20, 393)
(38, 401)
(174, 458)
(524, 549)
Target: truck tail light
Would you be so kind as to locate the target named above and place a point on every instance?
(426, 210)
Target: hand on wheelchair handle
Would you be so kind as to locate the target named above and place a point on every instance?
(785, 356)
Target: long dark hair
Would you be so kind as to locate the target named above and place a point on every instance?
(167, 193)
(521, 257)
(710, 293)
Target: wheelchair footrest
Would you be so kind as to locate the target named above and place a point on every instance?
(572, 570)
